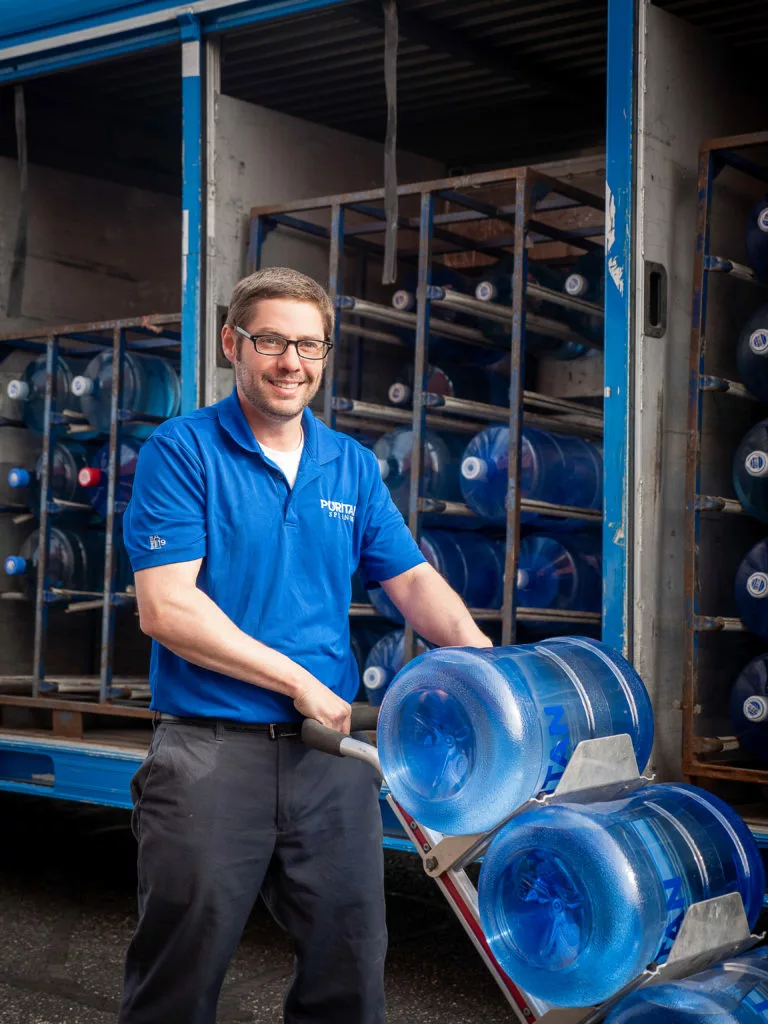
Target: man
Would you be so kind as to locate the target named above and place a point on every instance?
(246, 523)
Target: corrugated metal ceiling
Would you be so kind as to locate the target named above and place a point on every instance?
(481, 82)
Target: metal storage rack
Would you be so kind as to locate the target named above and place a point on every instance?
(706, 756)
(444, 208)
(105, 693)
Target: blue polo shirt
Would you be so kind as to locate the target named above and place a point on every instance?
(278, 561)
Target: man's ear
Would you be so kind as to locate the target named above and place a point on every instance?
(229, 343)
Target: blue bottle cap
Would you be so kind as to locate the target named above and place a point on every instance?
(19, 478)
(15, 565)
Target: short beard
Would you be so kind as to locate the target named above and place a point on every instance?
(248, 387)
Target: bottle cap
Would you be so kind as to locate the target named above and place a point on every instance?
(89, 477)
(762, 219)
(756, 463)
(473, 468)
(18, 390)
(15, 565)
(757, 584)
(523, 579)
(403, 300)
(374, 677)
(82, 386)
(383, 468)
(19, 478)
(758, 341)
(486, 291)
(756, 708)
(399, 394)
(576, 285)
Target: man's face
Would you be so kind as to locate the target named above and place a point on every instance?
(278, 387)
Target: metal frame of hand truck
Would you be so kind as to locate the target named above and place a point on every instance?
(599, 769)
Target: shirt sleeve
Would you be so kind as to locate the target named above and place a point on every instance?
(165, 519)
(388, 547)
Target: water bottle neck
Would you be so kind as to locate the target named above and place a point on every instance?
(523, 579)
(18, 390)
(756, 708)
(757, 585)
(82, 386)
(19, 478)
(758, 342)
(90, 477)
(474, 468)
(403, 300)
(399, 393)
(375, 677)
(576, 285)
(756, 463)
(762, 219)
(15, 565)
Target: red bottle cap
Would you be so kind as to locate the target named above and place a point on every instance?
(88, 477)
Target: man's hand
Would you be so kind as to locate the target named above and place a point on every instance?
(318, 702)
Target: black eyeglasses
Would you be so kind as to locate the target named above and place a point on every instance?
(275, 345)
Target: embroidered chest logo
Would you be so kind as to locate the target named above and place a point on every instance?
(156, 542)
(339, 510)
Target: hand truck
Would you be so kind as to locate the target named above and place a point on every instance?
(599, 769)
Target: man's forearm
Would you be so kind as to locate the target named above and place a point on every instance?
(194, 627)
(435, 610)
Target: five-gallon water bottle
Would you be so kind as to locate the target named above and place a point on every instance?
(471, 563)
(151, 387)
(496, 286)
(475, 383)
(752, 354)
(750, 471)
(384, 662)
(751, 589)
(757, 238)
(557, 468)
(587, 281)
(560, 572)
(29, 391)
(749, 707)
(66, 462)
(75, 561)
(93, 478)
(439, 469)
(732, 992)
(467, 735)
(576, 900)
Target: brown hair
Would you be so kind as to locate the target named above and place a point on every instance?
(278, 283)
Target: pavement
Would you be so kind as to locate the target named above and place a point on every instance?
(67, 912)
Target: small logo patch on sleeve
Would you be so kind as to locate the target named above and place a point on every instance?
(156, 542)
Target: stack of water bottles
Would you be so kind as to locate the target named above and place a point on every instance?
(576, 897)
(749, 694)
(79, 470)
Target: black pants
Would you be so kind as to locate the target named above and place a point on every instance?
(219, 815)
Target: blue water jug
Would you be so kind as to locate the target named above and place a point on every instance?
(384, 662)
(558, 468)
(752, 354)
(151, 386)
(751, 589)
(560, 572)
(475, 383)
(471, 563)
(734, 991)
(750, 471)
(749, 707)
(93, 478)
(66, 462)
(496, 286)
(757, 238)
(75, 561)
(29, 392)
(587, 281)
(468, 735)
(439, 470)
(576, 900)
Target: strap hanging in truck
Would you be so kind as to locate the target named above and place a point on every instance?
(389, 274)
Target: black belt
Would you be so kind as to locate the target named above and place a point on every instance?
(272, 729)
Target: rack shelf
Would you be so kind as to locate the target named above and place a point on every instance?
(703, 688)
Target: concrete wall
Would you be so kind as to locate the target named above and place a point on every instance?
(263, 157)
(96, 250)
